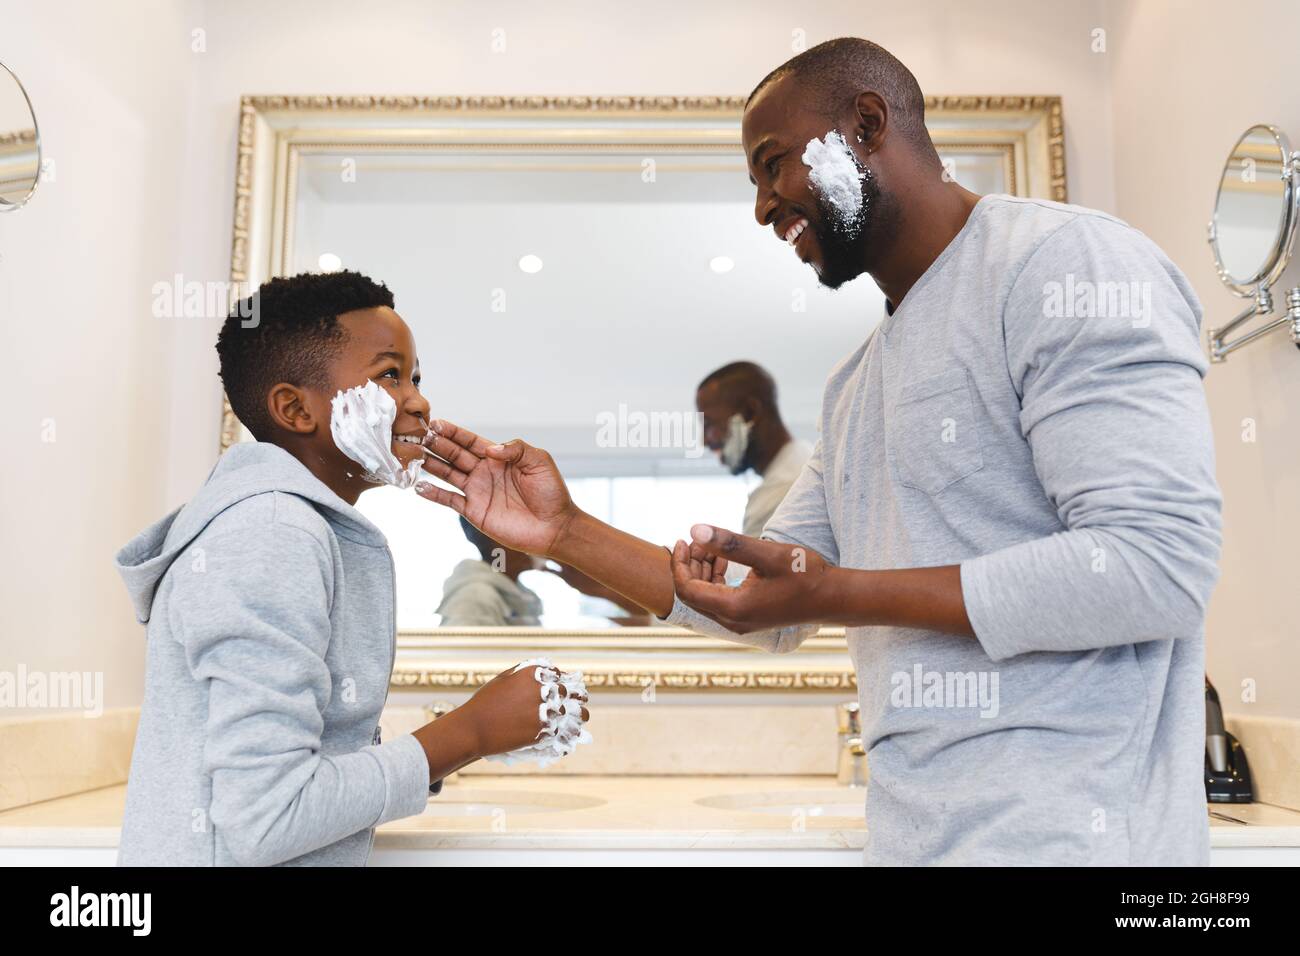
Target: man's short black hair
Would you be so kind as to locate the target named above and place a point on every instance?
(288, 331)
(838, 70)
(741, 380)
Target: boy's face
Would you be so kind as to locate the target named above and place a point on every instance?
(379, 347)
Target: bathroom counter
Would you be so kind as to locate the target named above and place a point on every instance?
(1260, 825)
(554, 811)
(547, 818)
(643, 812)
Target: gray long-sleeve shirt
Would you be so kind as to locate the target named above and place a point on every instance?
(1034, 412)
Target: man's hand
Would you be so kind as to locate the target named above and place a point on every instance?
(513, 493)
(786, 584)
(791, 585)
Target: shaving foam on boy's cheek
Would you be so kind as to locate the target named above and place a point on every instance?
(561, 716)
(834, 173)
(361, 424)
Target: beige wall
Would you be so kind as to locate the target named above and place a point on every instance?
(1187, 79)
(79, 347)
(142, 130)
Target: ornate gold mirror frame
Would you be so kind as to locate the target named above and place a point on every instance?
(1024, 133)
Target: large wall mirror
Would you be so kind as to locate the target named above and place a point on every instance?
(568, 265)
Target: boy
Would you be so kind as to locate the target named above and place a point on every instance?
(271, 614)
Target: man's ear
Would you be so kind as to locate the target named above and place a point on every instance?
(289, 409)
(751, 409)
(871, 121)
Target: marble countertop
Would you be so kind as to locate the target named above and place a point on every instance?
(649, 812)
(624, 812)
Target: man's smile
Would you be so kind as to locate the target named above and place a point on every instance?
(792, 233)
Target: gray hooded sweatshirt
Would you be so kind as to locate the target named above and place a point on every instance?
(271, 633)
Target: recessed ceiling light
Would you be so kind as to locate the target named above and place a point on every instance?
(328, 262)
(721, 264)
(530, 264)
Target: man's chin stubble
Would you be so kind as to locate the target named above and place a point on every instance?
(835, 278)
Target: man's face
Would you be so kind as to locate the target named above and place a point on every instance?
(776, 130)
(716, 408)
(379, 347)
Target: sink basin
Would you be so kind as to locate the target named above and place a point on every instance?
(457, 801)
(845, 803)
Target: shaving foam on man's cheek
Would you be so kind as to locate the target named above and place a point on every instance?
(561, 716)
(361, 424)
(834, 173)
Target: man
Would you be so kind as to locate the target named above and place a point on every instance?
(743, 425)
(1012, 506)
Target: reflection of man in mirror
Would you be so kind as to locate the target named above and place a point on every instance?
(485, 592)
(742, 424)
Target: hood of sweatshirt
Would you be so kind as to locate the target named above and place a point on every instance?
(245, 470)
(475, 572)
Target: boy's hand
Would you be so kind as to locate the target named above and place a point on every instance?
(786, 585)
(513, 493)
(505, 713)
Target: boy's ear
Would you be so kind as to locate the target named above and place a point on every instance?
(290, 410)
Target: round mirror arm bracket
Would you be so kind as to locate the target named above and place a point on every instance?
(1219, 348)
(1263, 305)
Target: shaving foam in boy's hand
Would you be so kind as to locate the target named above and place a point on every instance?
(530, 712)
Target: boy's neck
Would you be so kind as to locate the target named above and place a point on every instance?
(346, 480)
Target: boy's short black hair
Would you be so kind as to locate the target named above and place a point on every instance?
(288, 331)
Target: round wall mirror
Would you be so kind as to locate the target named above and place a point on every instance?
(20, 143)
(1254, 213)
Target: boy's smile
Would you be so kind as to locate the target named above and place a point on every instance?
(380, 348)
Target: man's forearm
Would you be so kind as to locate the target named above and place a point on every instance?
(928, 599)
(923, 598)
(636, 569)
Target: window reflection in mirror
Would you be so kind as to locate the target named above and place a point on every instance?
(427, 542)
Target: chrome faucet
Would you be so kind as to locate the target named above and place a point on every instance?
(852, 767)
(440, 708)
